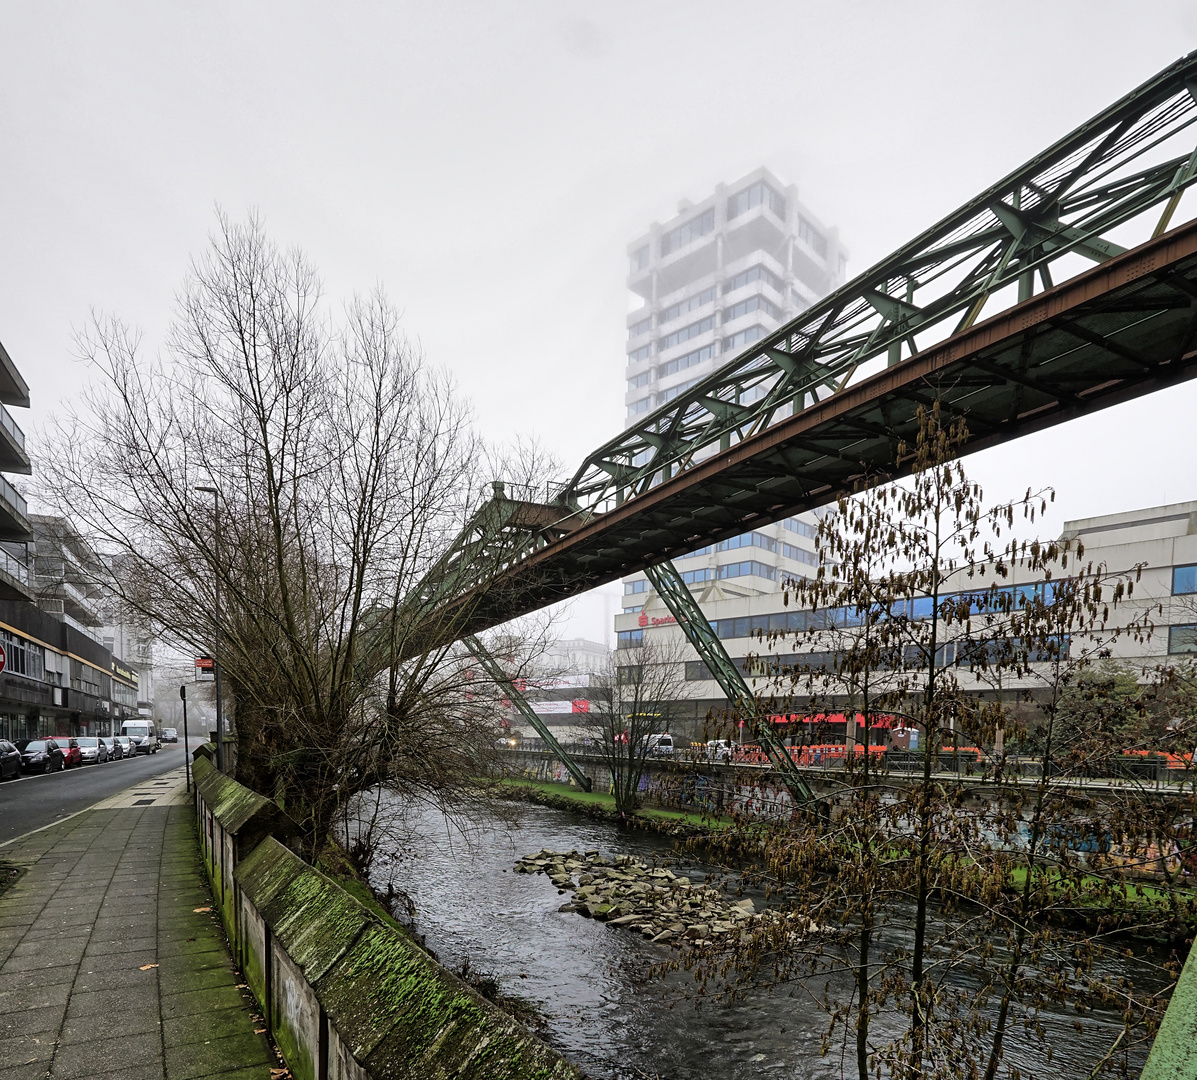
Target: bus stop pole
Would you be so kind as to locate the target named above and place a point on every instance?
(186, 744)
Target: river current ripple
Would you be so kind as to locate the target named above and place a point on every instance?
(589, 979)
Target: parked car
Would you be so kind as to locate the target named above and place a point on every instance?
(10, 759)
(113, 747)
(92, 750)
(40, 755)
(71, 754)
(127, 749)
(143, 734)
(170, 734)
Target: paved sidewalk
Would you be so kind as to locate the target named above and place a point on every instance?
(106, 967)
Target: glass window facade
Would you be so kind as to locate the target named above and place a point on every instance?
(691, 303)
(23, 657)
(686, 333)
(753, 273)
(1184, 580)
(641, 406)
(748, 568)
(629, 639)
(744, 337)
(692, 230)
(811, 236)
(675, 391)
(643, 379)
(753, 303)
(759, 194)
(639, 259)
(641, 327)
(800, 527)
(1182, 639)
(642, 353)
(680, 363)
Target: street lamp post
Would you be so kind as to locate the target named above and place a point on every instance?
(215, 493)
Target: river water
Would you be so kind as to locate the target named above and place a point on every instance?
(590, 980)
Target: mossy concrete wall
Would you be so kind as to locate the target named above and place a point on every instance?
(232, 821)
(346, 996)
(1174, 1053)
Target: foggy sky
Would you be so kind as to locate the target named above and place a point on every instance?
(488, 163)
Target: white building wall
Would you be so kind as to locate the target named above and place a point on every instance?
(1155, 542)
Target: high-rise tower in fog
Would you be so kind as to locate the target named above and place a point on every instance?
(712, 280)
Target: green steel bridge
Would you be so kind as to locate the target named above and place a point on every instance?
(1061, 289)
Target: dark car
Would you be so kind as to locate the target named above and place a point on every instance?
(170, 734)
(92, 751)
(114, 748)
(71, 754)
(10, 759)
(40, 755)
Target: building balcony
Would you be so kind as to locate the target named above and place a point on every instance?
(13, 388)
(13, 457)
(14, 514)
(14, 577)
(74, 602)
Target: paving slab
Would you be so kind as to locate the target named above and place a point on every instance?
(106, 970)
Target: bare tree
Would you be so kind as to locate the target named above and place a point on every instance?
(345, 464)
(635, 698)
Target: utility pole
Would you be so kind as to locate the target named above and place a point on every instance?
(215, 493)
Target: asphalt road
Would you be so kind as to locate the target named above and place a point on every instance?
(36, 800)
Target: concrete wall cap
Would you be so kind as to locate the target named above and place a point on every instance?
(239, 810)
(312, 917)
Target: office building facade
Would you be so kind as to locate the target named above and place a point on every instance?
(56, 674)
(1158, 545)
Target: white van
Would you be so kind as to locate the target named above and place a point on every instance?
(660, 745)
(142, 734)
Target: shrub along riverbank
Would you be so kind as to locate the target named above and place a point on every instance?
(1142, 905)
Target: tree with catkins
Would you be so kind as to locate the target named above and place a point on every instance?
(346, 465)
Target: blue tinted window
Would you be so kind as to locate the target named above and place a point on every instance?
(627, 639)
(1182, 639)
(922, 607)
(1184, 580)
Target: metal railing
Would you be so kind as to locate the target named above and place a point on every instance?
(14, 567)
(15, 499)
(10, 425)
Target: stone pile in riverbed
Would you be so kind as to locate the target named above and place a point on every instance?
(661, 905)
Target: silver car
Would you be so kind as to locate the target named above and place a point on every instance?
(92, 750)
(127, 749)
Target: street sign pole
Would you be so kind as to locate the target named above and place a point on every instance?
(186, 745)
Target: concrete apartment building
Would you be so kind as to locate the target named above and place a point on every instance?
(56, 674)
(1160, 539)
(710, 282)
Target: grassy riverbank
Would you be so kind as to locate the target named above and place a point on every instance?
(1143, 902)
(600, 805)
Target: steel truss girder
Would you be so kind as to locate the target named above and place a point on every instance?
(684, 608)
(492, 668)
(1060, 202)
(1131, 303)
(722, 464)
